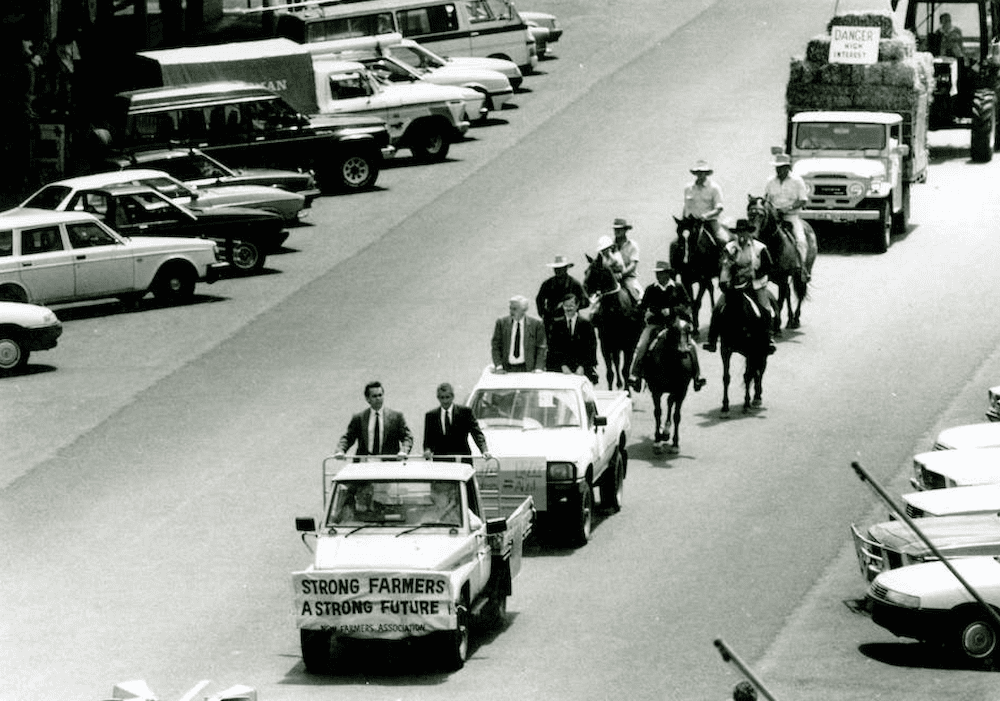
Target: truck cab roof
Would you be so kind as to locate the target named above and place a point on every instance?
(530, 380)
(843, 116)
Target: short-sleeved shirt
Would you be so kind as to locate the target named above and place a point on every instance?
(783, 194)
(629, 252)
(699, 200)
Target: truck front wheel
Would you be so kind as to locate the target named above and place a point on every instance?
(428, 142)
(581, 525)
(316, 650)
(883, 231)
(457, 641)
(355, 170)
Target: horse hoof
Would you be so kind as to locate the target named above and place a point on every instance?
(793, 324)
(675, 449)
(777, 333)
(756, 403)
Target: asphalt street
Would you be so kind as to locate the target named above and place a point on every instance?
(154, 462)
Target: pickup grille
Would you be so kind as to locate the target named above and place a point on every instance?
(931, 480)
(830, 190)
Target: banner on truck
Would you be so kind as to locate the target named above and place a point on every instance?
(374, 604)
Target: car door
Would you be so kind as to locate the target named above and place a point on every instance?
(46, 264)
(103, 264)
(353, 92)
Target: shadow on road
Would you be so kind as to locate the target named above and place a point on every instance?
(920, 656)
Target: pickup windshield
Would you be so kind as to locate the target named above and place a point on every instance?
(395, 503)
(840, 136)
(526, 408)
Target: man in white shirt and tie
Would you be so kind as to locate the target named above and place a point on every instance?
(518, 343)
(447, 428)
(376, 430)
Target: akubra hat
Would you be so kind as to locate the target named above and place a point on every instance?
(781, 159)
(621, 224)
(560, 262)
(701, 167)
(662, 266)
(743, 226)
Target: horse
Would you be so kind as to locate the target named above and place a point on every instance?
(616, 317)
(697, 257)
(743, 330)
(788, 272)
(667, 370)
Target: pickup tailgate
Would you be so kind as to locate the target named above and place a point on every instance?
(374, 604)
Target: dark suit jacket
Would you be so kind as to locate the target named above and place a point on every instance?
(396, 435)
(534, 343)
(456, 441)
(578, 350)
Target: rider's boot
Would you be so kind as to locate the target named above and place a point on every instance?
(713, 333)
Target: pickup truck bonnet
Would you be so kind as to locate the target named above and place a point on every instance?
(423, 549)
(850, 167)
(562, 444)
(957, 500)
(946, 532)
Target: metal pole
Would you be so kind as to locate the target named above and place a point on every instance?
(729, 656)
(865, 477)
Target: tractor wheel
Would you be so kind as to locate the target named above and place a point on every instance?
(984, 126)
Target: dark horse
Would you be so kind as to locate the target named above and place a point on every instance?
(697, 257)
(616, 317)
(667, 370)
(743, 330)
(787, 271)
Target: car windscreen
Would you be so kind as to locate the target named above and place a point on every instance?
(525, 408)
(49, 197)
(840, 136)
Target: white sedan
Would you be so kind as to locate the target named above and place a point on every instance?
(25, 328)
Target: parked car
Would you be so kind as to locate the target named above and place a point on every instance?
(420, 57)
(247, 235)
(286, 205)
(25, 328)
(983, 435)
(892, 544)
(954, 501)
(543, 28)
(52, 257)
(195, 168)
(993, 402)
(940, 469)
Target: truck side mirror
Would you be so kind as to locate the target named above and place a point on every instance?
(495, 526)
(777, 150)
(904, 150)
(600, 421)
(305, 524)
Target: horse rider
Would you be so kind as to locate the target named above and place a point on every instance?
(554, 289)
(703, 199)
(628, 250)
(745, 266)
(663, 302)
(787, 193)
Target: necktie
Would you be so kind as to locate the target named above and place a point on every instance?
(569, 324)
(376, 437)
(447, 421)
(517, 339)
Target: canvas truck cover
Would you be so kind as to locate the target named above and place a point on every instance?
(280, 65)
(374, 604)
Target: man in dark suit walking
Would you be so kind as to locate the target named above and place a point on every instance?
(573, 343)
(518, 343)
(376, 430)
(448, 427)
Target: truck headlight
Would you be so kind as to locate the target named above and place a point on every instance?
(559, 471)
(901, 599)
(855, 189)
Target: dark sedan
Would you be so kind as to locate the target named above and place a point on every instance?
(194, 167)
(245, 236)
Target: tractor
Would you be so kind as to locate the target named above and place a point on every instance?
(963, 37)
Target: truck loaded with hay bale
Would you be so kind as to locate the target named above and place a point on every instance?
(857, 131)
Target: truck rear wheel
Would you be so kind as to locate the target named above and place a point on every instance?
(984, 125)
(316, 654)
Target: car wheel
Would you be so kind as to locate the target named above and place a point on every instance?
(357, 170)
(247, 257)
(174, 283)
(613, 484)
(429, 143)
(316, 654)
(13, 355)
(977, 636)
(580, 528)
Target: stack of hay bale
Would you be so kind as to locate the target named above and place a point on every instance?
(902, 81)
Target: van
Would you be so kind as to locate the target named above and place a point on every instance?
(246, 125)
(489, 28)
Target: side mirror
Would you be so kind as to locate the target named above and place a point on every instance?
(904, 150)
(600, 421)
(777, 150)
(305, 524)
(496, 525)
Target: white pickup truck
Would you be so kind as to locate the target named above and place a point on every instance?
(423, 117)
(580, 433)
(408, 549)
(963, 467)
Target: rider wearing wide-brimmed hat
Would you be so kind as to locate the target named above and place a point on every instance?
(626, 251)
(703, 199)
(745, 266)
(662, 303)
(788, 194)
(554, 289)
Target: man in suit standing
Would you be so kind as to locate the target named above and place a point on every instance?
(518, 343)
(448, 427)
(572, 342)
(376, 430)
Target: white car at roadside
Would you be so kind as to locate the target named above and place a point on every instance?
(419, 56)
(25, 328)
